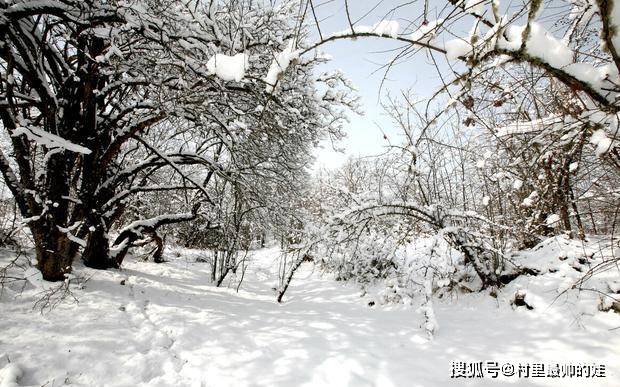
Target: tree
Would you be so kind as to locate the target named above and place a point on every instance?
(539, 105)
(88, 85)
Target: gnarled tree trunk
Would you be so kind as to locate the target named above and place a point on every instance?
(97, 251)
(55, 252)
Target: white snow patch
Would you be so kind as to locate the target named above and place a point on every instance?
(530, 200)
(49, 140)
(279, 65)
(386, 28)
(517, 184)
(601, 141)
(229, 68)
(552, 220)
(457, 48)
(573, 166)
(10, 375)
(426, 32)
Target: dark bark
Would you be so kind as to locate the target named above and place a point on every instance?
(54, 251)
(482, 261)
(289, 276)
(127, 237)
(97, 252)
(159, 250)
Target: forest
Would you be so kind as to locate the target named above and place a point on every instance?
(169, 217)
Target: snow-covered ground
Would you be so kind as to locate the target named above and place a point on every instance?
(166, 325)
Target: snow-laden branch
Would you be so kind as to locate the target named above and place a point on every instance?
(49, 140)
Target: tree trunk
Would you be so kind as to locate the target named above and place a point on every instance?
(158, 255)
(214, 267)
(54, 252)
(289, 277)
(97, 252)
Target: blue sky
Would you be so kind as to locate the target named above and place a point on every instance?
(360, 60)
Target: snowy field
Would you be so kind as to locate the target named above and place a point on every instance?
(165, 325)
(402, 153)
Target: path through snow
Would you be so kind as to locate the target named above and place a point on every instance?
(167, 326)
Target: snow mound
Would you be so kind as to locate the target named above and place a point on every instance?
(10, 373)
(601, 141)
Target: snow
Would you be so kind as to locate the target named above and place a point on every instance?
(10, 375)
(523, 127)
(280, 63)
(48, 140)
(601, 141)
(164, 324)
(386, 28)
(546, 47)
(475, 6)
(540, 44)
(599, 137)
(614, 21)
(543, 46)
(573, 166)
(457, 48)
(229, 68)
(517, 184)
(530, 200)
(426, 32)
(552, 220)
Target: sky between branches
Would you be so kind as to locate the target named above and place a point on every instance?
(362, 61)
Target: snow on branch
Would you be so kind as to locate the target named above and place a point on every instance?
(139, 226)
(280, 63)
(389, 28)
(49, 140)
(229, 68)
(137, 229)
(427, 31)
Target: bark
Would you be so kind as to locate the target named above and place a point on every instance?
(289, 276)
(481, 259)
(97, 252)
(55, 252)
(159, 251)
(128, 236)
